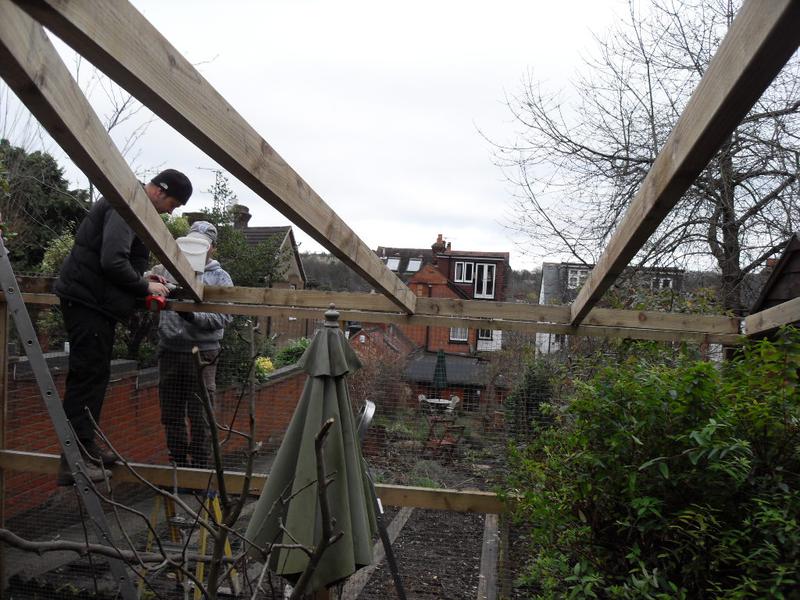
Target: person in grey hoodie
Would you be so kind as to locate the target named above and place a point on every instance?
(178, 386)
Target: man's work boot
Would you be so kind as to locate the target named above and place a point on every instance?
(93, 471)
(98, 455)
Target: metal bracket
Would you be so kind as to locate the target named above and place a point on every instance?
(66, 436)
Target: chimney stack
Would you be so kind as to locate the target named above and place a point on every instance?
(438, 246)
(241, 216)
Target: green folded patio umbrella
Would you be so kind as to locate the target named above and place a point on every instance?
(328, 359)
(440, 372)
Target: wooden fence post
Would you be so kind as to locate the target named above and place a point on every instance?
(3, 407)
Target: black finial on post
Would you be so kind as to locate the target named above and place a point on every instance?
(332, 316)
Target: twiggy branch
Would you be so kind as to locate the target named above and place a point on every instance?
(213, 429)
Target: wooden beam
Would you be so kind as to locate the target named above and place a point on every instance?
(32, 68)
(487, 580)
(530, 318)
(771, 319)
(299, 298)
(4, 330)
(392, 495)
(119, 40)
(761, 39)
(476, 309)
(633, 332)
(663, 334)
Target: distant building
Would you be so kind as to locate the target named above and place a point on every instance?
(782, 278)
(281, 329)
(561, 283)
(468, 377)
(441, 272)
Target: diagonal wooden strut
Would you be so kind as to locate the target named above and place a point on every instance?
(119, 40)
(761, 39)
(33, 69)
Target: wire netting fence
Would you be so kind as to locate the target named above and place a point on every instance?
(448, 404)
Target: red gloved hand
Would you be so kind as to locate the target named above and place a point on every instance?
(155, 303)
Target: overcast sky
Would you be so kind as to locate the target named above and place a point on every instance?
(379, 106)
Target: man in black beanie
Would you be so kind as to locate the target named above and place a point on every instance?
(99, 285)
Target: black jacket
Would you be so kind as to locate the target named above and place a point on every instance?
(105, 267)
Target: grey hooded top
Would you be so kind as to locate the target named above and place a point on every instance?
(176, 334)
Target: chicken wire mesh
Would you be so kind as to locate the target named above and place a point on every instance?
(447, 408)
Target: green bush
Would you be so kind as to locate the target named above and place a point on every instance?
(529, 401)
(237, 358)
(56, 253)
(669, 481)
(291, 353)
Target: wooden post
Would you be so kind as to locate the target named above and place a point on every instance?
(3, 413)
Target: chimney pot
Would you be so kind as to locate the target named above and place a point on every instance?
(241, 216)
(438, 245)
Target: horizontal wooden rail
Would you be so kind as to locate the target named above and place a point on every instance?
(771, 319)
(391, 495)
(475, 314)
(116, 37)
(643, 326)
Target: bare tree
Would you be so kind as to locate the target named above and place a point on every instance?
(123, 113)
(581, 156)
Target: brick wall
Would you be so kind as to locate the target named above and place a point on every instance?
(430, 282)
(132, 420)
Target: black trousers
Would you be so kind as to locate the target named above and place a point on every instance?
(178, 392)
(91, 341)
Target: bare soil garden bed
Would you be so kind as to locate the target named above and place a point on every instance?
(439, 556)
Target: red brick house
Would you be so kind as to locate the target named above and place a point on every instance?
(442, 272)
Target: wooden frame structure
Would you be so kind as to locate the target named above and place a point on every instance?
(761, 39)
(117, 38)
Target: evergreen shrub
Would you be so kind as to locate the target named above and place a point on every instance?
(668, 481)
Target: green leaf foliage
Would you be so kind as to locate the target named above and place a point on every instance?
(291, 353)
(669, 481)
(249, 265)
(36, 204)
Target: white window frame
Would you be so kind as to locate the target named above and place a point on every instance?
(459, 334)
(393, 263)
(414, 265)
(464, 272)
(483, 282)
(485, 334)
(576, 278)
(661, 282)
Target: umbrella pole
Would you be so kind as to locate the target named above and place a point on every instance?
(365, 418)
(384, 535)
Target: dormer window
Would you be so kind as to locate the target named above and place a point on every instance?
(413, 265)
(393, 263)
(464, 272)
(484, 280)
